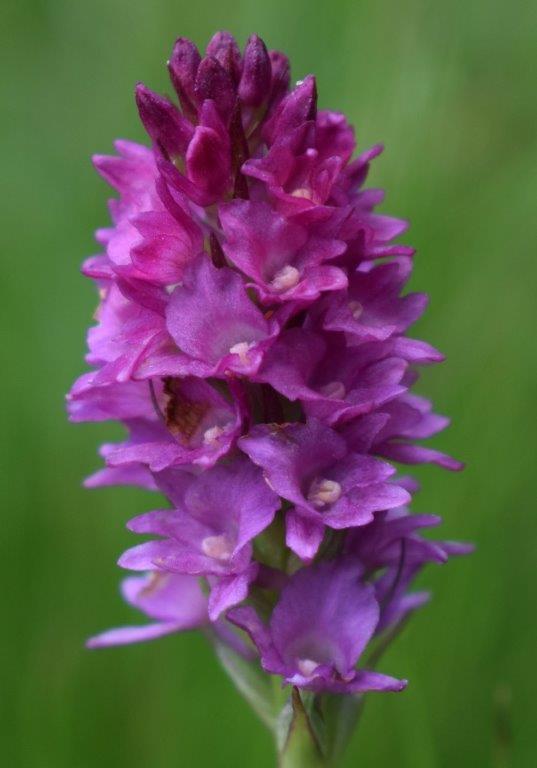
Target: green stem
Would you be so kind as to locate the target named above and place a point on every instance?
(301, 759)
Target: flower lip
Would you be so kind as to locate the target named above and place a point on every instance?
(318, 630)
(284, 261)
(310, 466)
(223, 328)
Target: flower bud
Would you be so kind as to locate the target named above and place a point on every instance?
(296, 108)
(169, 130)
(208, 162)
(214, 82)
(223, 47)
(183, 66)
(280, 76)
(256, 74)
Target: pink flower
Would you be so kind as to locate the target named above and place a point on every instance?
(251, 338)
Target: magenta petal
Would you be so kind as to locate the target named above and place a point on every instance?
(128, 635)
(167, 597)
(259, 241)
(417, 454)
(145, 557)
(228, 591)
(208, 163)
(176, 602)
(303, 535)
(358, 506)
(135, 475)
(374, 681)
(212, 319)
(218, 513)
(247, 619)
(291, 362)
(297, 107)
(326, 615)
(165, 250)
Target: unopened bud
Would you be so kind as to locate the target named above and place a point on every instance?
(183, 67)
(256, 74)
(213, 82)
(163, 121)
(223, 47)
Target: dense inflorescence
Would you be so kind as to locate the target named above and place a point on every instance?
(251, 338)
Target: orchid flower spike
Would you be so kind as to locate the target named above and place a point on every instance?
(251, 338)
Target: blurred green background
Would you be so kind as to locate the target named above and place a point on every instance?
(448, 88)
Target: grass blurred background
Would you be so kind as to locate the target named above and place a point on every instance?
(448, 88)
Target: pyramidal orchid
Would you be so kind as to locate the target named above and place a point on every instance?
(251, 338)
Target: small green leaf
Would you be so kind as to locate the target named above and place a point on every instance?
(298, 744)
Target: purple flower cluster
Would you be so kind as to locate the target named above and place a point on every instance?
(251, 338)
